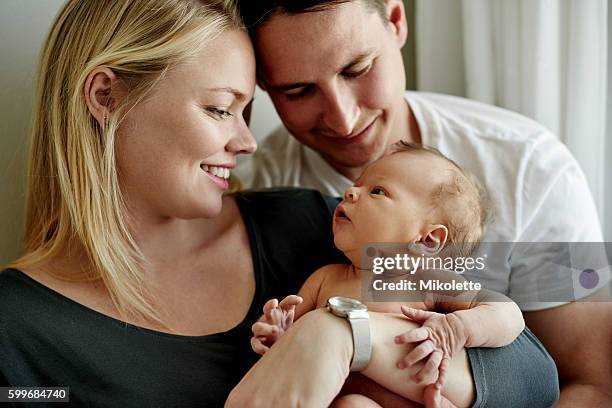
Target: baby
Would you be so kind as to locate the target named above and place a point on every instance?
(417, 196)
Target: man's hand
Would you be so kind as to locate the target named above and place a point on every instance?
(277, 318)
(441, 337)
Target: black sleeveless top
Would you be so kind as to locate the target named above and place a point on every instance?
(47, 339)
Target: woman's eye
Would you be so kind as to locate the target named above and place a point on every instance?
(219, 113)
(378, 191)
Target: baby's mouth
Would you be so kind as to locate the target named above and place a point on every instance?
(341, 214)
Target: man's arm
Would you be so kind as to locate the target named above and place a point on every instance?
(578, 337)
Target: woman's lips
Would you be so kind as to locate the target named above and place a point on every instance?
(219, 181)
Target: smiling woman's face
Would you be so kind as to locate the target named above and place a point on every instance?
(176, 147)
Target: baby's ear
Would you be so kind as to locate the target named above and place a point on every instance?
(433, 239)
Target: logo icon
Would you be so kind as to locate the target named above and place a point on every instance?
(588, 278)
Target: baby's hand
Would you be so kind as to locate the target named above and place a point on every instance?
(441, 337)
(277, 318)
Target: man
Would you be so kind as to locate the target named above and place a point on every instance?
(334, 72)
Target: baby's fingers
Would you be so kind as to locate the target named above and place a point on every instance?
(269, 306)
(443, 373)
(290, 301)
(430, 370)
(417, 315)
(417, 354)
(268, 331)
(412, 336)
(258, 346)
(288, 319)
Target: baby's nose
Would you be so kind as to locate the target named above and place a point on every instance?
(351, 194)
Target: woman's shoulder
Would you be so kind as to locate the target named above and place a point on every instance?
(18, 288)
(28, 291)
(13, 283)
(18, 294)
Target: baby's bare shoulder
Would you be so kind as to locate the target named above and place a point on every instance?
(338, 280)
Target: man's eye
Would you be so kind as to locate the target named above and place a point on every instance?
(357, 74)
(378, 191)
(218, 113)
(246, 113)
(298, 93)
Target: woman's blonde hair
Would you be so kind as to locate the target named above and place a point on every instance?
(73, 191)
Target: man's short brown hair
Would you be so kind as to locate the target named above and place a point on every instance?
(256, 13)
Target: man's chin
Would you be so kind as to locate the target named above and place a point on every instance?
(350, 159)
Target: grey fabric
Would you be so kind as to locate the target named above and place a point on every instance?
(521, 374)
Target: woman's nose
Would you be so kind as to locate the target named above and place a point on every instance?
(351, 194)
(243, 142)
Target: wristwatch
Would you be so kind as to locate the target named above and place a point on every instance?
(357, 315)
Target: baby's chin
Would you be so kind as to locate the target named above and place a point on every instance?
(351, 250)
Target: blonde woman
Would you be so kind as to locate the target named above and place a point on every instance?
(139, 279)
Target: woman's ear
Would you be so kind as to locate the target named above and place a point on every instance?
(433, 240)
(396, 16)
(98, 96)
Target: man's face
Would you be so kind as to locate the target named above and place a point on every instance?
(336, 78)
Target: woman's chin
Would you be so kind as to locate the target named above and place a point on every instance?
(210, 209)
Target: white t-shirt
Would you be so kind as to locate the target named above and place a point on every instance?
(537, 190)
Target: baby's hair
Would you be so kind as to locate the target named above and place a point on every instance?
(461, 200)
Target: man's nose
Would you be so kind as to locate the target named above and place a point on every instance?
(341, 110)
(351, 194)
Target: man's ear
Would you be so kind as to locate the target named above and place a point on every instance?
(433, 240)
(98, 96)
(396, 16)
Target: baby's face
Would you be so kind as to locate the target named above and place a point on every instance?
(390, 202)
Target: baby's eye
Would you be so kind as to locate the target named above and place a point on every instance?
(378, 191)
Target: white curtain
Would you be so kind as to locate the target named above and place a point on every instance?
(546, 59)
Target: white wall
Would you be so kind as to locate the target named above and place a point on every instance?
(23, 24)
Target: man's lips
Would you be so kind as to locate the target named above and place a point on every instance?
(352, 138)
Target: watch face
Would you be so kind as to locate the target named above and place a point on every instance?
(343, 305)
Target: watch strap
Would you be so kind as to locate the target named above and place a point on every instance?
(362, 344)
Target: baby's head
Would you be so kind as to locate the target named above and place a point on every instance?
(413, 195)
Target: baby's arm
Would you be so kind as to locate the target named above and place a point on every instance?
(490, 319)
(278, 317)
(470, 319)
